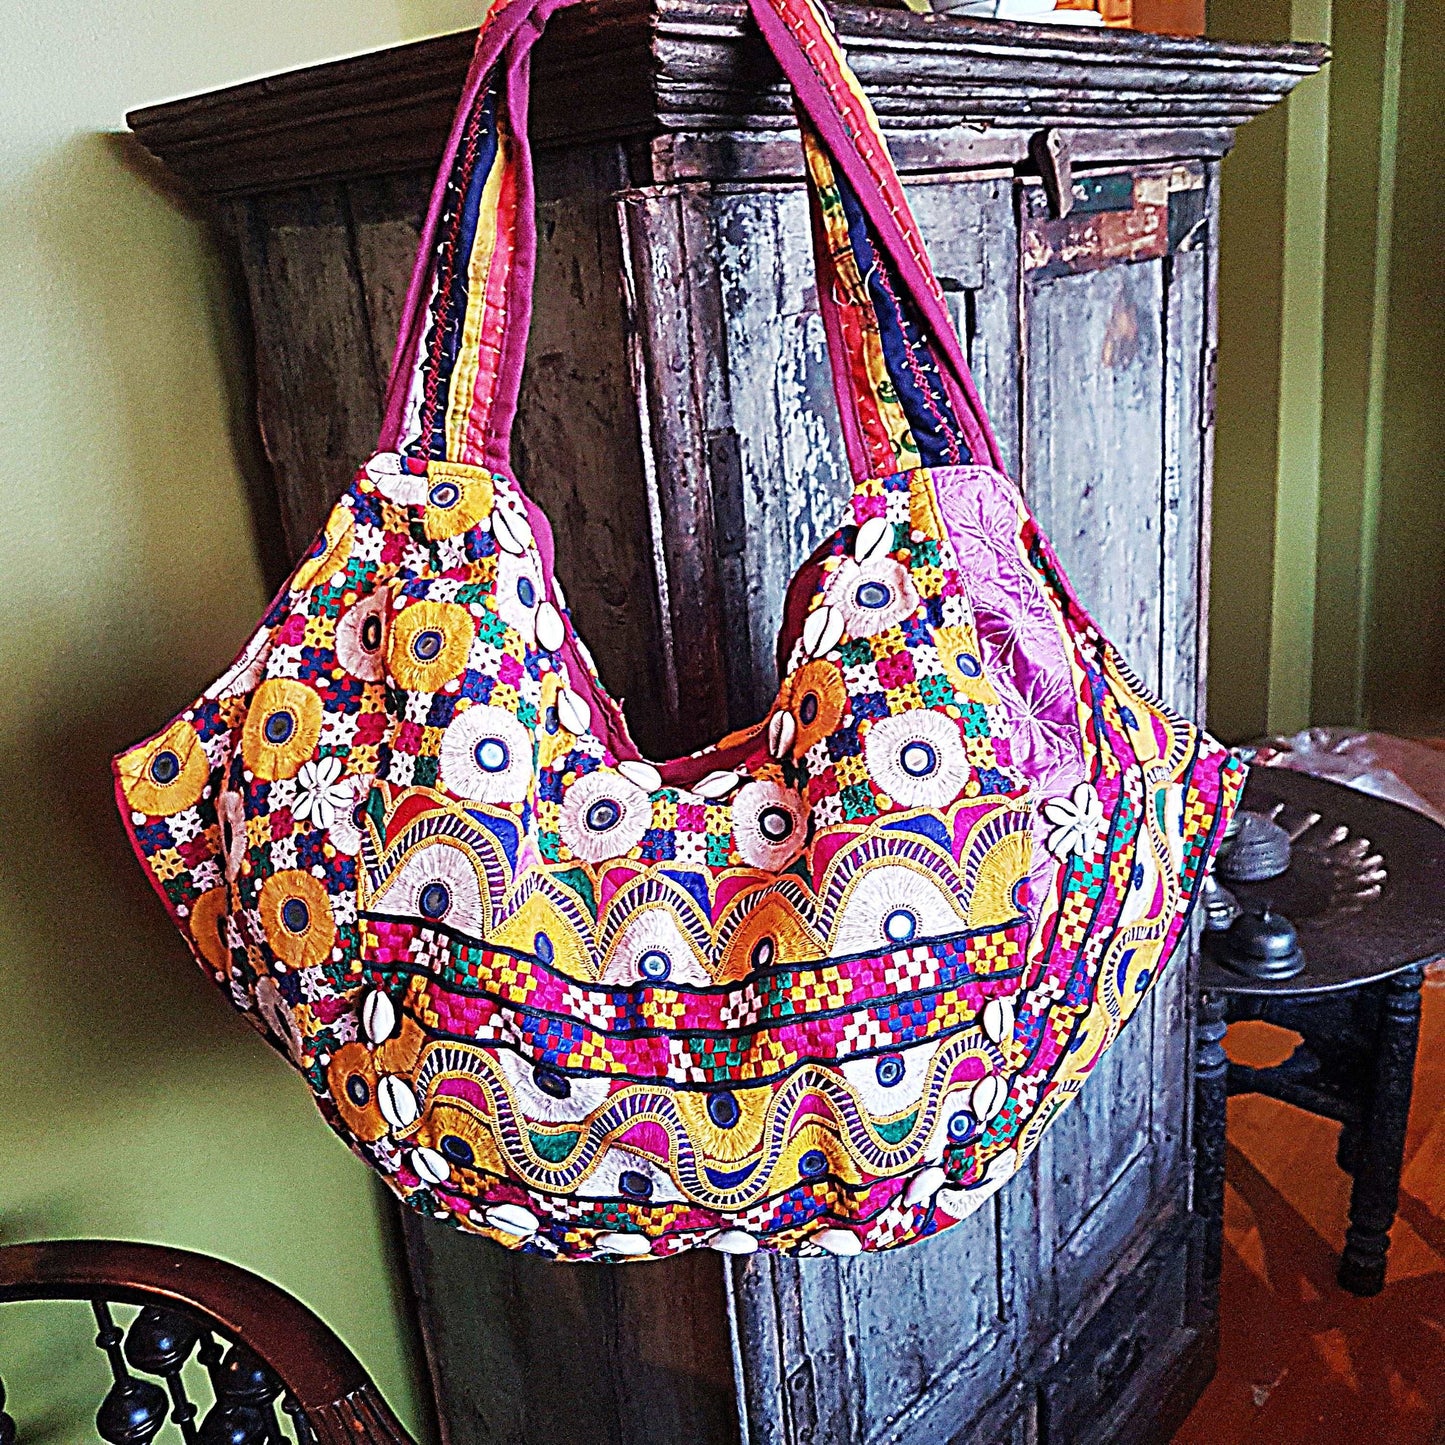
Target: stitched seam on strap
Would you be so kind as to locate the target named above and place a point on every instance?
(807, 40)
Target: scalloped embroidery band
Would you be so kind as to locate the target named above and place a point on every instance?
(819, 989)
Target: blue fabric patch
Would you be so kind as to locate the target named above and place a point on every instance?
(927, 827)
(696, 886)
(906, 352)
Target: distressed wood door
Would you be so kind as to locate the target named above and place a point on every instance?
(1089, 338)
(1113, 427)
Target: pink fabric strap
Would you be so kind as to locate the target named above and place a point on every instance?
(507, 33)
(827, 93)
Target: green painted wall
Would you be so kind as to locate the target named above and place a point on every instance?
(1270, 373)
(1404, 627)
(134, 1104)
(1251, 276)
(1329, 576)
(1365, 78)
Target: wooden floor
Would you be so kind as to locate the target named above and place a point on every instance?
(1300, 1360)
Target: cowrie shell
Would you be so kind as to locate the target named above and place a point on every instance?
(875, 538)
(958, 1203)
(378, 1017)
(383, 464)
(427, 1164)
(511, 531)
(781, 732)
(716, 785)
(822, 631)
(574, 712)
(558, 595)
(1002, 1166)
(842, 1242)
(924, 1185)
(617, 1242)
(643, 774)
(734, 1241)
(988, 1097)
(397, 1102)
(551, 634)
(512, 1219)
(998, 1019)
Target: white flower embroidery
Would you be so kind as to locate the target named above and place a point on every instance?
(486, 756)
(520, 587)
(873, 596)
(1076, 822)
(345, 828)
(279, 1018)
(246, 672)
(604, 816)
(395, 482)
(207, 875)
(770, 825)
(320, 792)
(917, 758)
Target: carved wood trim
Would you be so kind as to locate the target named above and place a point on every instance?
(688, 67)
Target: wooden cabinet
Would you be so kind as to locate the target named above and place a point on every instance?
(676, 424)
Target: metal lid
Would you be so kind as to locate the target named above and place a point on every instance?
(1260, 851)
(1262, 944)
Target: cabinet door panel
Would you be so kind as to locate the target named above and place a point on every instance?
(1093, 406)
(779, 477)
(1093, 442)
(781, 456)
(877, 1348)
(1114, 334)
(901, 1347)
(1183, 584)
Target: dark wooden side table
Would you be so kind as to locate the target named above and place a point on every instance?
(1366, 891)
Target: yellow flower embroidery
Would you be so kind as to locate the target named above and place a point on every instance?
(166, 774)
(429, 644)
(351, 1077)
(320, 631)
(296, 915)
(816, 695)
(958, 649)
(334, 546)
(459, 498)
(167, 864)
(282, 726)
(923, 508)
(208, 924)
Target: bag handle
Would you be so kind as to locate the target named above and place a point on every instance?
(904, 389)
(828, 95)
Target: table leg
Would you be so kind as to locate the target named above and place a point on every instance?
(1379, 1152)
(1211, 1100)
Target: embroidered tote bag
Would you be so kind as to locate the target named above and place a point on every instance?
(818, 989)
